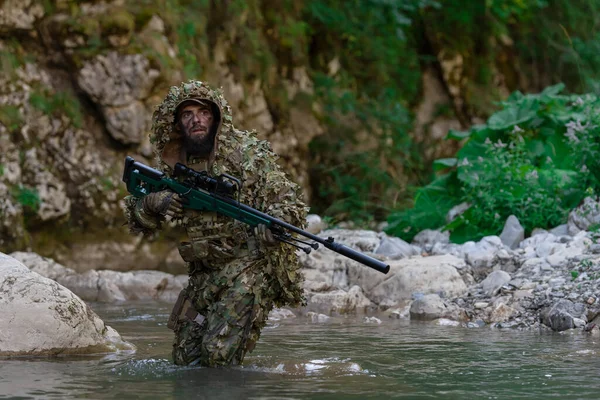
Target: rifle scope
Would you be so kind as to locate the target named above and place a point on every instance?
(203, 181)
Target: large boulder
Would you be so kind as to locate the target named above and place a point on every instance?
(434, 274)
(40, 317)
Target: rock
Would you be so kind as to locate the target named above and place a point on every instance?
(317, 318)
(340, 301)
(108, 286)
(561, 315)
(584, 216)
(560, 230)
(119, 83)
(315, 224)
(372, 320)
(513, 233)
(278, 314)
(501, 313)
(44, 266)
(428, 308)
(482, 256)
(446, 322)
(19, 15)
(494, 281)
(456, 211)
(435, 274)
(395, 248)
(427, 238)
(41, 317)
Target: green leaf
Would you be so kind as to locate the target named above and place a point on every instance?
(553, 90)
(510, 117)
(444, 163)
(457, 135)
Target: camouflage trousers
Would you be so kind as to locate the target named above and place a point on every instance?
(232, 310)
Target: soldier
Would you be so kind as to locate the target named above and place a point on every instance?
(236, 274)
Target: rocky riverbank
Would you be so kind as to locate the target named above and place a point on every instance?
(549, 280)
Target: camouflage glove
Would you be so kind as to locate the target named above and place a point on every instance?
(164, 202)
(265, 236)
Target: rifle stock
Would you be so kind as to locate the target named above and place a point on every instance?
(205, 193)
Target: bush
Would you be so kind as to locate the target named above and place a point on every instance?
(536, 159)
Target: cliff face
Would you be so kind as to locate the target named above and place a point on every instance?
(77, 92)
(78, 85)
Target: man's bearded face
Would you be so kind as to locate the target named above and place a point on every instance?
(195, 122)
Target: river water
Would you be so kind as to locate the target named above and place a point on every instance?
(345, 358)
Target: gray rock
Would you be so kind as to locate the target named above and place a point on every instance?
(427, 238)
(395, 248)
(561, 315)
(560, 230)
(428, 308)
(584, 216)
(494, 281)
(456, 211)
(435, 274)
(513, 233)
(39, 317)
(315, 224)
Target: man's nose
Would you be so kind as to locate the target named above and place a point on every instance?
(196, 117)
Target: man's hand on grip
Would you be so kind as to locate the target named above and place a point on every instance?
(164, 202)
(265, 235)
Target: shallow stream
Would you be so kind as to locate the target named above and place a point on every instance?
(345, 358)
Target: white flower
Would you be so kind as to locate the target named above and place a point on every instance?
(517, 129)
(578, 102)
(500, 145)
(584, 169)
(487, 141)
(532, 175)
(464, 162)
(573, 128)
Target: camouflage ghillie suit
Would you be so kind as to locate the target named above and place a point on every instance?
(234, 281)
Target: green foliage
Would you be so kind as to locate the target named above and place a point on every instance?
(28, 197)
(58, 103)
(10, 117)
(359, 163)
(537, 158)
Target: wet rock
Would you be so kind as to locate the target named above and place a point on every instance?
(45, 318)
(371, 320)
(278, 314)
(562, 314)
(317, 318)
(446, 322)
(428, 308)
(340, 301)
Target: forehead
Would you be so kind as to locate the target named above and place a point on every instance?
(193, 107)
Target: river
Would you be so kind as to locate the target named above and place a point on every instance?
(344, 358)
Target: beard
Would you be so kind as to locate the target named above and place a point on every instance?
(198, 146)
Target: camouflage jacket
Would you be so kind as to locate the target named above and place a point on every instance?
(215, 238)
